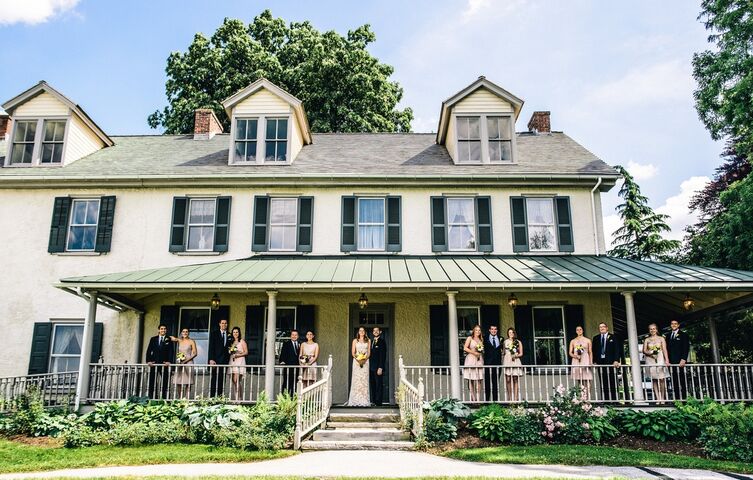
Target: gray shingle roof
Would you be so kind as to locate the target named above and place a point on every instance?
(331, 155)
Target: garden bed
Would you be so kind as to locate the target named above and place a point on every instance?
(690, 449)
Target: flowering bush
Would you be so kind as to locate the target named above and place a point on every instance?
(570, 418)
(513, 426)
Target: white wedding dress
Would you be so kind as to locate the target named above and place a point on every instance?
(359, 380)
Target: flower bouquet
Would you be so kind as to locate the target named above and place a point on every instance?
(654, 350)
(480, 347)
(304, 359)
(513, 348)
(181, 357)
(361, 359)
(233, 349)
(579, 350)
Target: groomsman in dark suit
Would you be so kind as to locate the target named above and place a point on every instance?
(377, 366)
(289, 356)
(219, 354)
(159, 354)
(678, 348)
(492, 356)
(607, 350)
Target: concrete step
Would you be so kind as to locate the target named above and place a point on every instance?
(363, 424)
(363, 417)
(360, 435)
(356, 445)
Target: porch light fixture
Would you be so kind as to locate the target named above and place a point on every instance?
(688, 303)
(363, 301)
(512, 300)
(215, 302)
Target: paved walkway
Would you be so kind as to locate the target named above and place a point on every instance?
(347, 463)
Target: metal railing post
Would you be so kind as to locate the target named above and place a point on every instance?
(298, 414)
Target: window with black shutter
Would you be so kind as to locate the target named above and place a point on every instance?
(56, 347)
(82, 224)
(200, 224)
(461, 224)
(371, 224)
(282, 224)
(541, 224)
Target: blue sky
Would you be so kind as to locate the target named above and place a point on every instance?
(615, 75)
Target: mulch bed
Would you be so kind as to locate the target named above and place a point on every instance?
(466, 439)
(678, 448)
(37, 441)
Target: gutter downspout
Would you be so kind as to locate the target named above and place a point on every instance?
(593, 216)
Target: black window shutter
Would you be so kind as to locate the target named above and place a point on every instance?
(99, 329)
(305, 223)
(254, 333)
(489, 317)
(519, 225)
(439, 332)
(59, 227)
(394, 234)
(41, 337)
(348, 235)
(304, 319)
(169, 316)
(438, 225)
(104, 225)
(222, 224)
(484, 220)
(178, 226)
(573, 319)
(261, 224)
(524, 329)
(564, 225)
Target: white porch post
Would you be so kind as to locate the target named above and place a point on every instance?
(269, 364)
(714, 339)
(82, 386)
(452, 318)
(635, 358)
(139, 339)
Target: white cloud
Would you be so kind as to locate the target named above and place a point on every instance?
(32, 11)
(473, 7)
(676, 207)
(642, 171)
(611, 223)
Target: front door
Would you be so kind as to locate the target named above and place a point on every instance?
(376, 315)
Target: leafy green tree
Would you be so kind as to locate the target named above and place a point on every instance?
(343, 87)
(724, 97)
(640, 236)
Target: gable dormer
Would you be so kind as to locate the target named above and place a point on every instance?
(48, 129)
(268, 125)
(477, 124)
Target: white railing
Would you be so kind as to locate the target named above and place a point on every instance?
(236, 384)
(603, 383)
(313, 404)
(54, 389)
(411, 402)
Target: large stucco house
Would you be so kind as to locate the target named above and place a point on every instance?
(105, 237)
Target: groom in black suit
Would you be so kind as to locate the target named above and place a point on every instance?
(289, 356)
(377, 366)
(219, 354)
(159, 354)
(492, 356)
(678, 349)
(607, 350)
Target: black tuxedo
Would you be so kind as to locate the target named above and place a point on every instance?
(219, 352)
(606, 354)
(289, 356)
(492, 356)
(678, 348)
(158, 353)
(377, 360)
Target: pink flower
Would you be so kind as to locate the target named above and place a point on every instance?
(559, 424)
(550, 428)
(560, 389)
(586, 426)
(550, 435)
(586, 407)
(543, 434)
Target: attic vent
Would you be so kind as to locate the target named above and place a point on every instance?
(205, 124)
(539, 123)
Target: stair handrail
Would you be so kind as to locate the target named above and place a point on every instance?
(411, 402)
(313, 404)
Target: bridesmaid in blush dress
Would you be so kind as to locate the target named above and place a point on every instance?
(187, 351)
(474, 357)
(238, 352)
(657, 359)
(580, 353)
(309, 354)
(513, 349)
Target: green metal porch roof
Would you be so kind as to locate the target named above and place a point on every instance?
(523, 272)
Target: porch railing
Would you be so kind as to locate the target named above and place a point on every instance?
(411, 401)
(602, 383)
(313, 404)
(237, 384)
(54, 389)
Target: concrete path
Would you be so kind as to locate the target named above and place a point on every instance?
(395, 464)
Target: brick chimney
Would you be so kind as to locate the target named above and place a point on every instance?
(539, 123)
(205, 124)
(4, 125)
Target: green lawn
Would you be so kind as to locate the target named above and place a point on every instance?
(592, 455)
(18, 457)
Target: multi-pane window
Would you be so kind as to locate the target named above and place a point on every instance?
(469, 139)
(461, 224)
(23, 142)
(52, 141)
(276, 140)
(499, 131)
(283, 222)
(196, 320)
(201, 213)
(65, 352)
(371, 224)
(245, 139)
(468, 317)
(541, 224)
(82, 227)
(286, 322)
(549, 336)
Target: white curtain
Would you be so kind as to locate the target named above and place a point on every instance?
(371, 224)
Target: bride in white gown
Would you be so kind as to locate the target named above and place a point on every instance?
(360, 350)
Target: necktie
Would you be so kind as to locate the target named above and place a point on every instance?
(224, 338)
(604, 345)
(674, 334)
(494, 341)
(161, 340)
(295, 347)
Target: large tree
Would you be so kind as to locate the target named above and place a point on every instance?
(640, 236)
(724, 73)
(343, 87)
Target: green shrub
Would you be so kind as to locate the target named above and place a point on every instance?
(107, 415)
(437, 429)
(84, 436)
(450, 409)
(152, 433)
(727, 432)
(659, 425)
(509, 426)
(571, 419)
(26, 410)
(55, 424)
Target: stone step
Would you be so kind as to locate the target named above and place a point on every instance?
(356, 445)
(363, 424)
(361, 434)
(364, 417)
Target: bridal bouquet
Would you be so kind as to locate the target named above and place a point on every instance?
(361, 359)
(304, 358)
(181, 357)
(480, 347)
(513, 348)
(233, 349)
(654, 350)
(579, 349)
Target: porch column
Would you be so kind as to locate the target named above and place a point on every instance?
(82, 386)
(635, 358)
(269, 364)
(714, 339)
(455, 381)
(138, 345)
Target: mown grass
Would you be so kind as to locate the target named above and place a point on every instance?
(592, 455)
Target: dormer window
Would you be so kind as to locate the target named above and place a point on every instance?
(251, 147)
(469, 139)
(245, 139)
(484, 139)
(38, 142)
(499, 131)
(52, 141)
(276, 141)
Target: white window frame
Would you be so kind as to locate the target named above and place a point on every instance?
(36, 156)
(234, 131)
(53, 356)
(261, 146)
(488, 140)
(209, 328)
(371, 224)
(71, 224)
(284, 224)
(463, 334)
(473, 226)
(480, 140)
(484, 133)
(278, 339)
(555, 243)
(562, 337)
(276, 140)
(189, 224)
